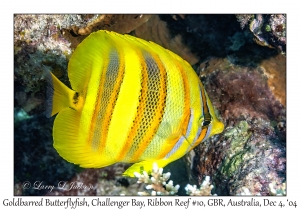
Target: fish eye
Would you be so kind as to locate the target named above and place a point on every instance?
(206, 122)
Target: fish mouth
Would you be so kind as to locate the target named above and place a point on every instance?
(218, 128)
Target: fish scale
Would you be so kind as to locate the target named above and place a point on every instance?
(136, 102)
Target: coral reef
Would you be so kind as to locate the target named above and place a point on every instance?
(275, 70)
(95, 182)
(220, 36)
(250, 154)
(161, 35)
(247, 157)
(244, 19)
(276, 189)
(119, 23)
(244, 90)
(112, 22)
(268, 30)
(245, 81)
(157, 184)
(38, 45)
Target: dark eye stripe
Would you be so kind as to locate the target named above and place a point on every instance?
(206, 111)
(205, 129)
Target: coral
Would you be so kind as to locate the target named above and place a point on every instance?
(244, 191)
(241, 91)
(119, 23)
(104, 181)
(244, 81)
(244, 19)
(239, 136)
(157, 182)
(250, 153)
(275, 69)
(278, 27)
(277, 189)
(160, 34)
(112, 22)
(256, 27)
(38, 44)
(204, 190)
(206, 36)
(270, 31)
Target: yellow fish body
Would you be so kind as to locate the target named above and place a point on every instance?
(131, 101)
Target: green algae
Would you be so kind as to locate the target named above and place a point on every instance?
(268, 28)
(237, 153)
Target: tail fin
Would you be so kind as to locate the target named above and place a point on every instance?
(59, 96)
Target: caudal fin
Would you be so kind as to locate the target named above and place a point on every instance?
(59, 96)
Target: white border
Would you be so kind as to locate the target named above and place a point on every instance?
(137, 6)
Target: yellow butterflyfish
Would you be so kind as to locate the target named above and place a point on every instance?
(130, 101)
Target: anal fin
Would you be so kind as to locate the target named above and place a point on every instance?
(145, 166)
